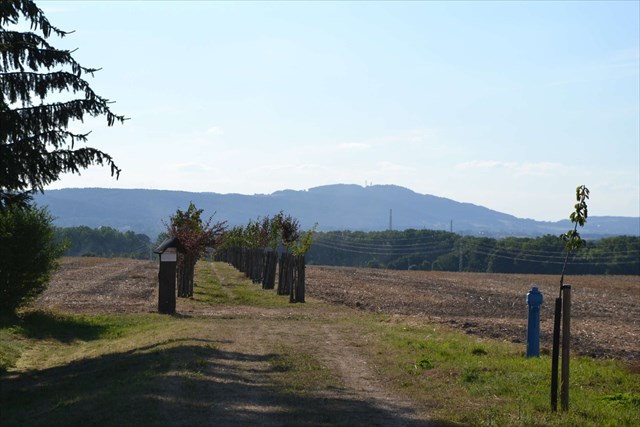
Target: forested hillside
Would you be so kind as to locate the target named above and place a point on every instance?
(104, 242)
(439, 250)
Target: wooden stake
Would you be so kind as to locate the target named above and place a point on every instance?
(566, 338)
(554, 355)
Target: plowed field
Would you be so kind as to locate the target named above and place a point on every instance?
(605, 309)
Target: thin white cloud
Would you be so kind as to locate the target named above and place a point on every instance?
(214, 131)
(627, 56)
(190, 167)
(418, 136)
(354, 146)
(528, 169)
(539, 169)
(414, 136)
(394, 167)
(486, 164)
(205, 137)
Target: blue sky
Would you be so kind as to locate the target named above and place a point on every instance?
(509, 105)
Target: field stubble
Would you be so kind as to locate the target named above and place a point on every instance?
(605, 309)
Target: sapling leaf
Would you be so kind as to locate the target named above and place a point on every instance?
(578, 217)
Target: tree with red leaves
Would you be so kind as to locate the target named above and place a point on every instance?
(195, 237)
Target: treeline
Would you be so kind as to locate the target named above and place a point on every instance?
(403, 250)
(444, 251)
(104, 242)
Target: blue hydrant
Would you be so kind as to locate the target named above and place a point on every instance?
(534, 299)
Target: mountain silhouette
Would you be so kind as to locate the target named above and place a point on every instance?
(331, 207)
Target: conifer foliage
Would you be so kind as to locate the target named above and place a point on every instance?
(28, 255)
(36, 146)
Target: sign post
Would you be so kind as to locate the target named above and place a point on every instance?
(168, 252)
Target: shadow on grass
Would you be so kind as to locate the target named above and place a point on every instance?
(181, 382)
(43, 325)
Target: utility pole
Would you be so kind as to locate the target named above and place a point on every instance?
(390, 219)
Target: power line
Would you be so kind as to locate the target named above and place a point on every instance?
(387, 247)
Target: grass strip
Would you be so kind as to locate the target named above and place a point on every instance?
(476, 381)
(234, 288)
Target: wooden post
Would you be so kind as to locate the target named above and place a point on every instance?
(168, 254)
(284, 280)
(301, 278)
(566, 338)
(297, 286)
(294, 280)
(554, 354)
(167, 288)
(271, 263)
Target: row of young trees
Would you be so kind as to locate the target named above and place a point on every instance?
(253, 249)
(440, 250)
(195, 236)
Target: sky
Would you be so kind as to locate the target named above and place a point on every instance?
(508, 105)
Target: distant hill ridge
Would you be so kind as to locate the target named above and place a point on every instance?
(332, 207)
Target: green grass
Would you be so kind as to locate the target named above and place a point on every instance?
(483, 382)
(108, 369)
(300, 372)
(12, 344)
(236, 289)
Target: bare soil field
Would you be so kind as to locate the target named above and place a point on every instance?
(605, 309)
(102, 285)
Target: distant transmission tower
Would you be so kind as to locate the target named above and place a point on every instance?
(390, 219)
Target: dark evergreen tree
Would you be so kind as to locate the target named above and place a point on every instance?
(28, 255)
(36, 146)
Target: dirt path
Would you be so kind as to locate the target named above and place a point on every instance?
(360, 397)
(360, 379)
(237, 383)
(243, 373)
(339, 348)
